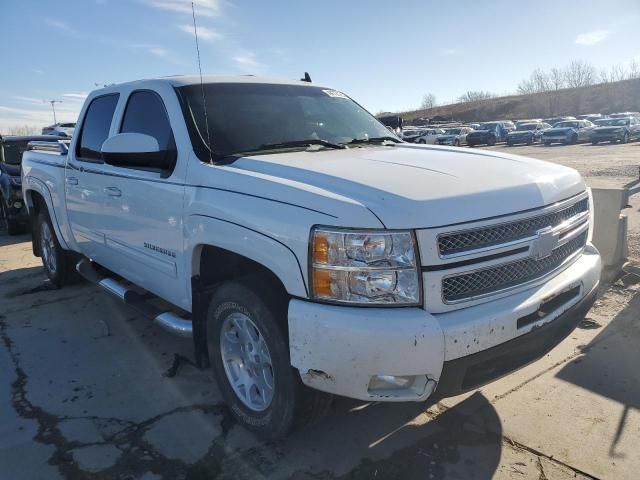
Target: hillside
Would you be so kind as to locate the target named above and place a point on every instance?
(602, 98)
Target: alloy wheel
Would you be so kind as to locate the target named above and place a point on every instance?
(48, 248)
(247, 361)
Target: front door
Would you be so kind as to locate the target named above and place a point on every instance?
(144, 236)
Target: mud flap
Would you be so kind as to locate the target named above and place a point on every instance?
(199, 318)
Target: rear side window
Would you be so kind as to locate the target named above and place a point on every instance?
(146, 113)
(95, 128)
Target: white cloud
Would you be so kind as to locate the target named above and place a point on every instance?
(247, 59)
(592, 38)
(448, 51)
(32, 100)
(37, 71)
(152, 49)
(206, 8)
(37, 117)
(76, 95)
(203, 32)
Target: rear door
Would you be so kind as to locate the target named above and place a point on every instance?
(84, 179)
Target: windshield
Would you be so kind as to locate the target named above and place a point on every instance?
(566, 125)
(452, 131)
(527, 126)
(245, 117)
(488, 126)
(612, 122)
(12, 152)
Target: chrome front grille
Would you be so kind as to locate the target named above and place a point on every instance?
(479, 238)
(493, 279)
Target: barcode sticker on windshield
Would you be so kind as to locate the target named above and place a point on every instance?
(335, 94)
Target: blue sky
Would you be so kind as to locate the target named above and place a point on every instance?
(384, 54)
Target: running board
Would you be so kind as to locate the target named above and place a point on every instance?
(168, 321)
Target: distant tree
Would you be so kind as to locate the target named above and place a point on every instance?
(526, 87)
(557, 79)
(428, 102)
(21, 130)
(634, 69)
(580, 74)
(474, 96)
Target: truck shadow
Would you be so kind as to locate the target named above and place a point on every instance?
(6, 240)
(609, 366)
(363, 441)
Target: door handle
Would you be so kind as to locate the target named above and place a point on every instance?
(72, 181)
(113, 191)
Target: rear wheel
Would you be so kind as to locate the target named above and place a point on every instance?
(248, 347)
(58, 263)
(574, 139)
(625, 138)
(492, 142)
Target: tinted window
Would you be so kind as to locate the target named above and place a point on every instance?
(95, 128)
(12, 152)
(145, 113)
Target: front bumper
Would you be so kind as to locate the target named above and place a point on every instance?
(340, 349)
(16, 208)
(556, 139)
(607, 137)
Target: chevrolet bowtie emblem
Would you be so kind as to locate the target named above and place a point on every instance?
(544, 244)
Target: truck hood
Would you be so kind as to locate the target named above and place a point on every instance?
(416, 186)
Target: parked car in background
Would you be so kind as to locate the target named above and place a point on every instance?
(571, 131)
(616, 130)
(553, 120)
(429, 136)
(13, 214)
(456, 136)
(530, 120)
(409, 135)
(589, 116)
(60, 129)
(624, 114)
(598, 116)
(489, 133)
(528, 133)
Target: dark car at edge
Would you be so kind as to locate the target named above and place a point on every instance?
(13, 213)
(616, 130)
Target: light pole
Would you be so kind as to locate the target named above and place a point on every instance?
(53, 107)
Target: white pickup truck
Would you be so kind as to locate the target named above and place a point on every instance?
(308, 251)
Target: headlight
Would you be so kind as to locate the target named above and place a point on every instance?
(364, 267)
(17, 181)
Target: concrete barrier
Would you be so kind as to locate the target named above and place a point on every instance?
(610, 228)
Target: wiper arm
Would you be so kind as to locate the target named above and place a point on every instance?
(301, 143)
(374, 140)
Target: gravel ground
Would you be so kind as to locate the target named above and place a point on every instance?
(89, 390)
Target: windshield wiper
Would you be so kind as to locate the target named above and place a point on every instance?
(356, 141)
(300, 143)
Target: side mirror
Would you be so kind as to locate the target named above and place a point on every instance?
(136, 150)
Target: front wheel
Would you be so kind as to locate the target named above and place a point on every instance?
(456, 143)
(625, 138)
(7, 224)
(249, 352)
(574, 139)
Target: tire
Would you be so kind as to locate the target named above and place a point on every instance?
(492, 142)
(245, 311)
(547, 143)
(594, 142)
(573, 140)
(6, 224)
(456, 143)
(509, 144)
(59, 264)
(625, 138)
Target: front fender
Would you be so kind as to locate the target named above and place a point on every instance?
(267, 251)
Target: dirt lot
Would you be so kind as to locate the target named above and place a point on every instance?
(90, 390)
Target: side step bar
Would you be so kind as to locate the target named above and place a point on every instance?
(169, 321)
